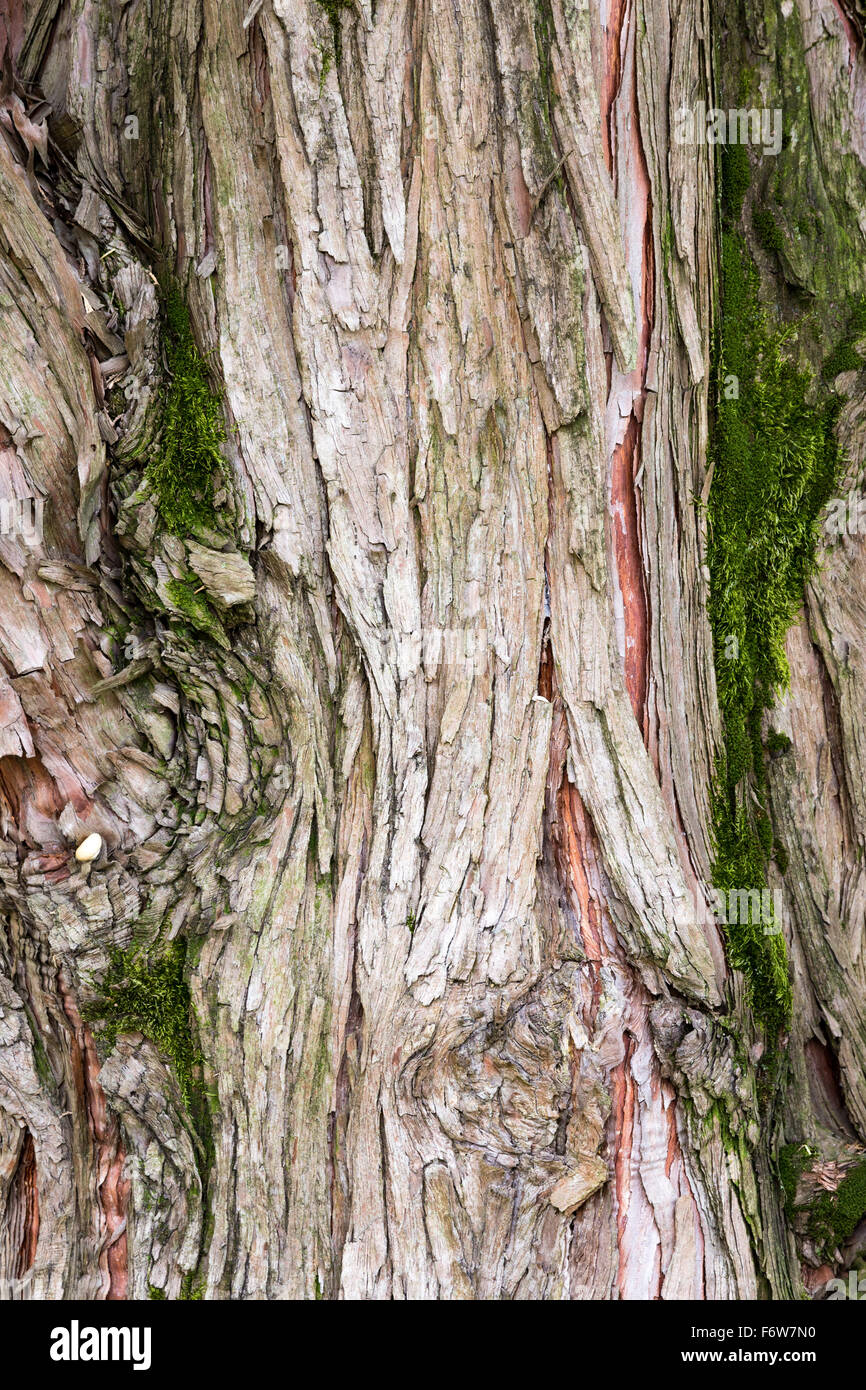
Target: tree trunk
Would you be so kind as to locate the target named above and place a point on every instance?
(365, 364)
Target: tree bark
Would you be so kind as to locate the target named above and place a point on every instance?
(403, 738)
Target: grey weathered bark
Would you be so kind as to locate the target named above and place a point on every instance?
(412, 742)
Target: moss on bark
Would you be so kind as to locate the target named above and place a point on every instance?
(182, 470)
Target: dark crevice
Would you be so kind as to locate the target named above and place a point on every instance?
(22, 1209)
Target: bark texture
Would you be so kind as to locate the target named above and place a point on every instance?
(402, 753)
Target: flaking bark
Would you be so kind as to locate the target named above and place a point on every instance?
(412, 739)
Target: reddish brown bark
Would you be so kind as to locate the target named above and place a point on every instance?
(108, 1154)
(24, 1202)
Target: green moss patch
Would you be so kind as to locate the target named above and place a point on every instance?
(775, 464)
(845, 357)
(793, 1161)
(831, 1218)
(835, 1216)
(333, 9)
(767, 231)
(192, 1288)
(146, 992)
(186, 597)
(735, 177)
(193, 429)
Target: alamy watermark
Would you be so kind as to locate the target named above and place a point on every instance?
(846, 516)
(468, 649)
(453, 653)
(16, 1288)
(703, 125)
(854, 1288)
(77, 1343)
(733, 907)
(22, 517)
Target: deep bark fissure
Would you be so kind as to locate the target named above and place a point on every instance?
(22, 1209)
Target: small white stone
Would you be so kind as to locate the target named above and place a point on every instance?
(89, 849)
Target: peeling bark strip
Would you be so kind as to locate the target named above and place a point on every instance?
(360, 359)
(627, 392)
(108, 1156)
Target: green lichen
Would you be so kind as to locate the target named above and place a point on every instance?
(775, 462)
(40, 1056)
(182, 470)
(537, 98)
(321, 1066)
